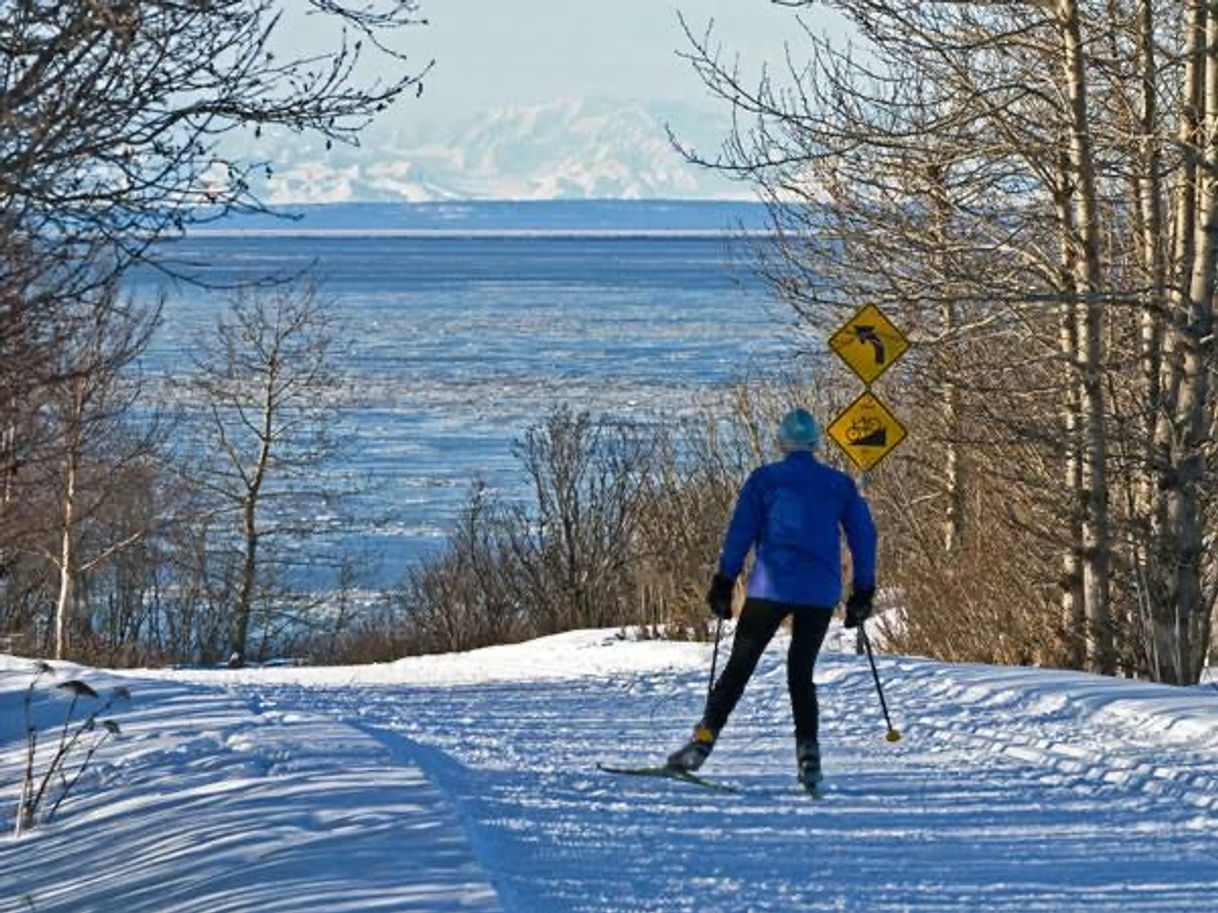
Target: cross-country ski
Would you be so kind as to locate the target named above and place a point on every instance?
(667, 772)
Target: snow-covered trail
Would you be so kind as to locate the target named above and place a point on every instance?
(1013, 789)
(1004, 794)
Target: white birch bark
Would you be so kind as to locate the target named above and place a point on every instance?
(1184, 509)
(67, 542)
(1096, 537)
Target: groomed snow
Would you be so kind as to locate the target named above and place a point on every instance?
(468, 782)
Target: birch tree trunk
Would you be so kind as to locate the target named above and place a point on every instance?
(1095, 528)
(1179, 633)
(1153, 247)
(67, 541)
(1185, 522)
(67, 559)
(1148, 186)
(953, 469)
(1074, 612)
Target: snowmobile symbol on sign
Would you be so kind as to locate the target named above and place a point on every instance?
(866, 431)
(869, 343)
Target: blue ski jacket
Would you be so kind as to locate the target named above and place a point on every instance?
(793, 512)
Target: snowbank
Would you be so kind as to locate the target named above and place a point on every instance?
(574, 654)
(215, 802)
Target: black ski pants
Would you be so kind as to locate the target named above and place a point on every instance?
(759, 620)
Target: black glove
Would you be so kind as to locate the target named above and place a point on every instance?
(719, 596)
(858, 606)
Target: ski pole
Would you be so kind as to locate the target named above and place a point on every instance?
(714, 657)
(893, 735)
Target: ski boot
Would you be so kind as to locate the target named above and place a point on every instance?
(807, 752)
(695, 752)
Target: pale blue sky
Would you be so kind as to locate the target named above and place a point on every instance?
(491, 53)
(496, 54)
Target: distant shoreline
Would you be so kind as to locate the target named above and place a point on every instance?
(480, 233)
(495, 218)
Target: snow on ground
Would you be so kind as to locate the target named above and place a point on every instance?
(467, 782)
(220, 800)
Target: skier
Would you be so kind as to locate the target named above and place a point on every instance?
(792, 513)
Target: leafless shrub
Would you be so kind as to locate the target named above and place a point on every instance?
(624, 528)
(574, 547)
(472, 594)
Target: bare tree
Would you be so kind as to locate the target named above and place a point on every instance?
(121, 124)
(87, 440)
(999, 176)
(265, 392)
(114, 116)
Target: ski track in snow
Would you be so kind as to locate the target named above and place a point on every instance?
(471, 784)
(219, 801)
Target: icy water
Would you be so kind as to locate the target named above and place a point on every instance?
(456, 344)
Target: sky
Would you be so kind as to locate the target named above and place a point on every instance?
(520, 55)
(496, 53)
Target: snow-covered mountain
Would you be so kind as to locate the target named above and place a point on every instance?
(588, 149)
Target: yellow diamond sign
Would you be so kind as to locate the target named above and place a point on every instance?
(869, 343)
(866, 431)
